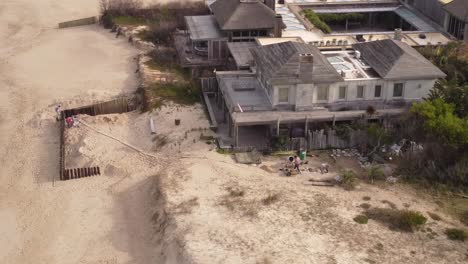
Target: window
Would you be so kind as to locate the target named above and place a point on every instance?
(360, 91)
(398, 90)
(283, 95)
(378, 91)
(322, 93)
(342, 92)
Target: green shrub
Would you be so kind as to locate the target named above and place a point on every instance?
(365, 206)
(375, 173)
(316, 21)
(361, 219)
(403, 220)
(464, 217)
(337, 18)
(456, 234)
(349, 180)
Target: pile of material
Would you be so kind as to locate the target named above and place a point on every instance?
(252, 157)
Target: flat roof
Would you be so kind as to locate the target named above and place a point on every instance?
(243, 90)
(203, 28)
(346, 63)
(240, 51)
(361, 9)
(414, 19)
(269, 41)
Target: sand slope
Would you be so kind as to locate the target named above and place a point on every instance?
(99, 220)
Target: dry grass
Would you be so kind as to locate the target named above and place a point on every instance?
(186, 206)
(271, 198)
(434, 216)
(391, 204)
(234, 201)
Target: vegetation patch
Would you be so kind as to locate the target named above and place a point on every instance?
(366, 198)
(365, 206)
(129, 21)
(456, 234)
(361, 219)
(375, 173)
(179, 93)
(348, 179)
(402, 220)
(316, 21)
(339, 18)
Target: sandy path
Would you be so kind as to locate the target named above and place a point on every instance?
(99, 220)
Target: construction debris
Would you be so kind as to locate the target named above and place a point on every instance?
(252, 157)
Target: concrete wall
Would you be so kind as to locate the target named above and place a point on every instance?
(303, 97)
(78, 22)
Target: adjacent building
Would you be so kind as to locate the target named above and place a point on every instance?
(451, 15)
(206, 39)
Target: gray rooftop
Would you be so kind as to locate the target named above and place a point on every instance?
(279, 63)
(244, 90)
(203, 27)
(240, 51)
(243, 15)
(458, 8)
(395, 60)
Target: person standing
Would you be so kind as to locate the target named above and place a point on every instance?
(75, 120)
(297, 163)
(58, 110)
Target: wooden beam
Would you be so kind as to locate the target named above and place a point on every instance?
(306, 125)
(277, 127)
(236, 135)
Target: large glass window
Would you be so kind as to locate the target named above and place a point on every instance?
(322, 93)
(342, 92)
(283, 95)
(360, 91)
(398, 90)
(378, 91)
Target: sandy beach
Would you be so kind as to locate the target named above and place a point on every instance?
(164, 197)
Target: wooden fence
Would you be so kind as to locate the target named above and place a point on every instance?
(117, 106)
(321, 139)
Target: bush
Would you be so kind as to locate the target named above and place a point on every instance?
(164, 58)
(375, 173)
(161, 33)
(316, 21)
(361, 219)
(464, 217)
(337, 18)
(365, 206)
(349, 180)
(403, 220)
(456, 234)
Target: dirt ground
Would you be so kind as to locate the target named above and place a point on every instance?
(165, 199)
